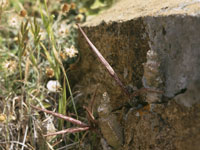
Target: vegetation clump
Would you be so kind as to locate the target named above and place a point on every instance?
(37, 47)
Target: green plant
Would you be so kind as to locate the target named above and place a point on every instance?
(37, 46)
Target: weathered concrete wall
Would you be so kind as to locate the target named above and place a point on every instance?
(154, 44)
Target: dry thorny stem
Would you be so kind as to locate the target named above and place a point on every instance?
(92, 122)
(82, 126)
(105, 63)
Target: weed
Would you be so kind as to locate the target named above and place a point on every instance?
(37, 43)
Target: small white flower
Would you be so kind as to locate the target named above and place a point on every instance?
(42, 34)
(53, 86)
(71, 52)
(63, 30)
(10, 66)
(14, 21)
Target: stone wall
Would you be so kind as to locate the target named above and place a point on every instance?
(153, 44)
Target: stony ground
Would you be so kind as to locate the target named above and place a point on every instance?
(151, 44)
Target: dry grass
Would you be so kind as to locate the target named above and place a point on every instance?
(33, 37)
(37, 44)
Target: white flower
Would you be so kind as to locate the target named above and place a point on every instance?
(71, 52)
(42, 34)
(14, 21)
(10, 66)
(63, 30)
(53, 86)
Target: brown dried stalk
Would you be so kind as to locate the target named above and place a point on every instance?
(83, 127)
(70, 119)
(105, 63)
(70, 130)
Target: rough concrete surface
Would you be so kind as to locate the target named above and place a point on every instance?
(153, 44)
